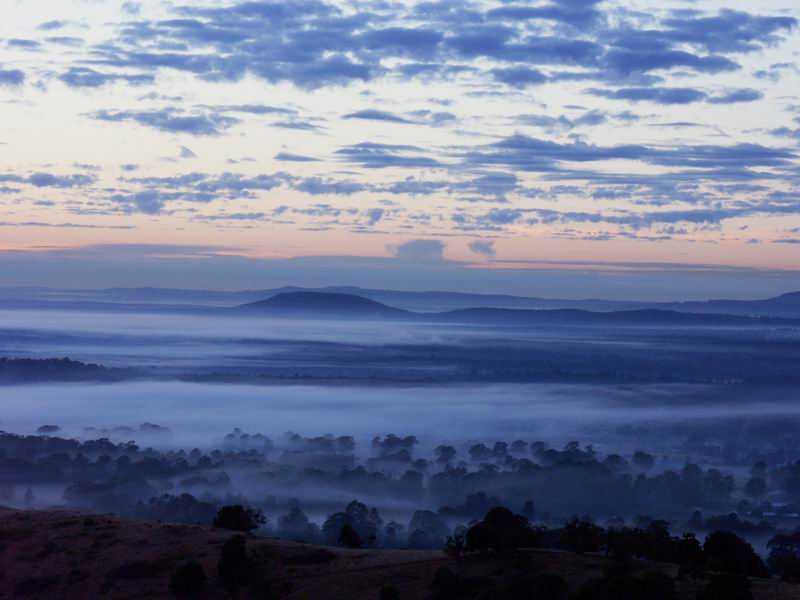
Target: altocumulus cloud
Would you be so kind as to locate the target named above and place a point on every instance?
(172, 120)
(317, 44)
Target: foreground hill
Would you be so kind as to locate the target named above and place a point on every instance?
(68, 555)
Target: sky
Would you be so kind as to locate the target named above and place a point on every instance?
(564, 148)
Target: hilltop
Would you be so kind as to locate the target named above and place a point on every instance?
(323, 304)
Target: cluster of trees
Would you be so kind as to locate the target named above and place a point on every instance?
(502, 530)
(723, 562)
(253, 470)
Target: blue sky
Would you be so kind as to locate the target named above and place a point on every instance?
(540, 147)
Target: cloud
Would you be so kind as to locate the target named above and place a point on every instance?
(736, 96)
(253, 109)
(52, 25)
(419, 250)
(44, 180)
(298, 125)
(172, 120)
(84, 77)
(728, 31)
(63, 225)
(11, 77)
(187, 152)
(578, 13)
(290, 157)
(519, 77)
(21, 44)
(375, 214)
(373, 155)
(665, 95)
(483, 247)
(314, 43)
(376, 115)
(628, 62)
(149, 202)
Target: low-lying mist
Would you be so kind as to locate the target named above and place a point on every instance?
(198, 414)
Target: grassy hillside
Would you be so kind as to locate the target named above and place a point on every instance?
(69, 555)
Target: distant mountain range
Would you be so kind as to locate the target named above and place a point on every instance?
(172, 300)
(349, 306)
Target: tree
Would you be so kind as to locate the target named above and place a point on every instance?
(733, 554)
(295, 525)
(239, 518)
(643, 461)
(349, 538)
(234, 567)
(188, 580)
(454, 548)
(358, 517)
(501, 529)
(445, 454)
(784, 555)
(480, 538)
(581, 536)
(756, 487)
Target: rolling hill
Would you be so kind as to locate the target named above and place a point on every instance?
(50, 554)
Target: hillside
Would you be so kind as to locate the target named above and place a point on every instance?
(71, 556)
(322, 304)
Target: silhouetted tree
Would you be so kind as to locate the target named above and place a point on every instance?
(349, 538)
(501, 529)
(581, 536)
(234, 567)
(454, 548)
(784, 555)
(726, 551)
(239, 518)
